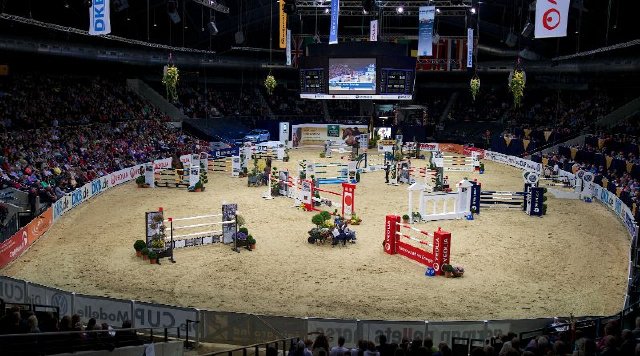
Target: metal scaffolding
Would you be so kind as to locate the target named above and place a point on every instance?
(385, 8)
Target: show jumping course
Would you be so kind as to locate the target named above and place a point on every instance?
(440, 245)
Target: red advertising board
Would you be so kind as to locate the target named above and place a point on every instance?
(15, 246)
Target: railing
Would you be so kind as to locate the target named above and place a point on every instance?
(256, 347)
(72, 341)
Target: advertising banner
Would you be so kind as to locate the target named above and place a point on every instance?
(318, 134)
(373, 31)
(99, 18)
(147, 315)
(15, 246)
(334, 328)
(394, 331)
(467, 150)
(244, 329)
(289, 47)
(444, 331)
(282, 25)
(104, 310)
(162, 163)
(517, 162)
(333, 29)
(125, 175)
(39, 294)
(469, 47)
(426, 16)
(12, 290)
(551, 18)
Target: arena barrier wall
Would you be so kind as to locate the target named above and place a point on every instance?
(244, 329)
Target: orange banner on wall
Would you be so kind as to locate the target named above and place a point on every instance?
(282, 42)
(15, 246)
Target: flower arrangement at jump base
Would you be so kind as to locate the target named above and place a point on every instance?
(270, 83)
(452, 271)
(517, 80)
(474, 85)
(170, 79)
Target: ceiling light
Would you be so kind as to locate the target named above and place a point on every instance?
(438, 10)
(155, 25)
(364, 11)
(326, 11)
(473, 10)
(66, 4)
(400, 9)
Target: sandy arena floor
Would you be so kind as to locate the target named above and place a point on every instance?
(574, 260)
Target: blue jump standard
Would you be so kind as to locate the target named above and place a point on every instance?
(334, 181)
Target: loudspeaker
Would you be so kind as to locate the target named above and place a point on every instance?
(213, 29)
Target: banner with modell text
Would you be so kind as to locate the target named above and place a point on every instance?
(333, 29)
(99, 19)
(426, 16)
(551, 18)
(282, 40)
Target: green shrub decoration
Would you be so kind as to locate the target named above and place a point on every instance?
(170, 81)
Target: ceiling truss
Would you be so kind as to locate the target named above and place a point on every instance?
(386, 8)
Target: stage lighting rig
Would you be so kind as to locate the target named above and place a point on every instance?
(213, 4)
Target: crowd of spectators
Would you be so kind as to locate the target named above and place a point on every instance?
(71, 140)
(285, 102)
(32, 329)
(217, 100)
(620, 146)
(613, 342)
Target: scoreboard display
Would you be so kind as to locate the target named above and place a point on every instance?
(312, 80)
(396, 81)
(357, 70)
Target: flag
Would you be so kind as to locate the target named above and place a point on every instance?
(469, 47)
(297, 51)
(551, 18)
(282, 24)
(99, 19)
(373, 31)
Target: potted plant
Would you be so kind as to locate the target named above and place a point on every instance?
(153, 257)
(251, 242)
(405, 218)
(481, 168)
(141, 182)
(458, 271)
(145, 253)
(355, 220)
(157, 243)
(138, 246)
(448, 270)
(197, 187)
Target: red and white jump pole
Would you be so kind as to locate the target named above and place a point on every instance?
(347, 197)
(439, 251)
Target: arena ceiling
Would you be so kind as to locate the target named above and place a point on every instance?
(502, 23)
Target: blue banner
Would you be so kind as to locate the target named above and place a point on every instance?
(333, 30)
(426, 16)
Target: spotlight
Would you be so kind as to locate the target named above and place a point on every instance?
(66, 4)
(213, 29)
(400, 9)
(473, 10)
(438, 10)
(364, 12)
(326, 11)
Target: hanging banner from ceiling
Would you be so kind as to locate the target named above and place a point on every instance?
(289, 47)
(373, 31)
(469, 47)
(426, 16)
(99, 19)
(551, 18)
(333, 30)
(282, 42)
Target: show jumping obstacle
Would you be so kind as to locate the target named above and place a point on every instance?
(347, 198)
(191, 231)
(440, 206)
(172, 177)
(434, 253)
(456, 163)
(229, 164)
(530, 200)
(344, 172)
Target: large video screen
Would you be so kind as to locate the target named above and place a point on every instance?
(352, 76)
